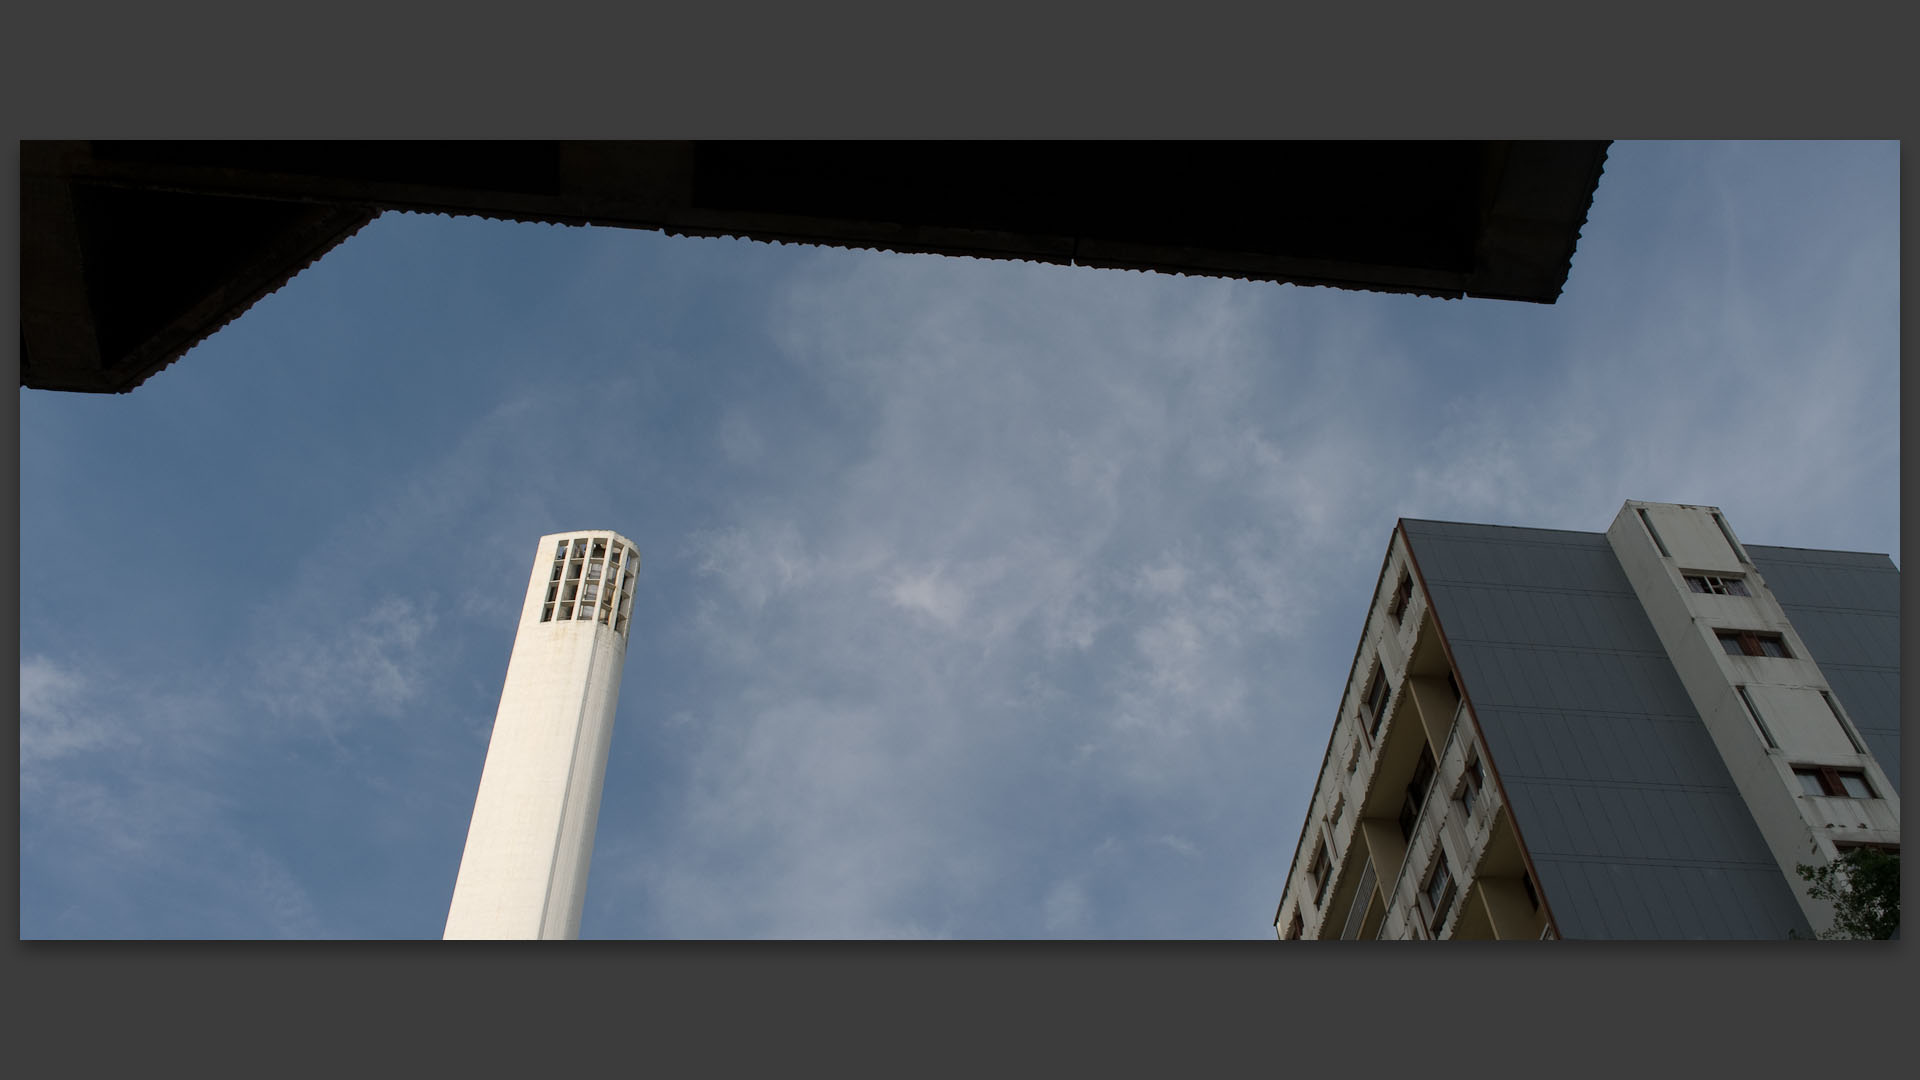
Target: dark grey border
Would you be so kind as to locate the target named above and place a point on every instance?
(675, 71)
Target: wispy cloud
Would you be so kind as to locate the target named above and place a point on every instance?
(1055, 556)
(59, 716)
(374, 666)
(117, 788)
(982, 599)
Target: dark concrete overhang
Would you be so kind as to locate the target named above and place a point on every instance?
(134, 252)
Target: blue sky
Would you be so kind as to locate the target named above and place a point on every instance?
(979, 599)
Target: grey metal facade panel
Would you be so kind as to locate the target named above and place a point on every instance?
(1633, 823)
(1849, 639)
(1868, 696)
(1814, 577)
(1513, 673)
(1624, 900)
(1845, 605)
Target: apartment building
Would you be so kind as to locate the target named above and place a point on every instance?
(1636, 734)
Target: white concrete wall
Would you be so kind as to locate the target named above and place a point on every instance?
(1689, 533)
(1798, 828)
(1387, 641)
(524, 870)
(1390, 642)
(581, 813)
(1444, 824)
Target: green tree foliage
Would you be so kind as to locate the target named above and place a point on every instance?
(1864, 886)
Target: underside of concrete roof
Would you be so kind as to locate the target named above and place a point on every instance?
(134, 252)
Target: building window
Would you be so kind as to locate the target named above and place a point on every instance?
(559, 568)
(1320, 870)
(1833, 783)
(1377, 698)
(1295, 927)
(1753, 643)
(1716, 585)
(1470, 785)
(1402, 596)
(1416, 793)
(1438, 892)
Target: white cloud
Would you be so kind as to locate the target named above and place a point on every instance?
(119, 784)
(740, 440)
(1178, 844)
(1166, 579)
(333, 675)
(929, 593)
(59, 715)
(1066, 909)
(1084, 586)
(280, 896)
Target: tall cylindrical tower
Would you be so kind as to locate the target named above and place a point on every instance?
(524, 872)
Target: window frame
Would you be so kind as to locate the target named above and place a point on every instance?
(1832, 781)
(1379, 695)
(1752, 642)
(1414, 803)
(1727, 584)
(1437, 910)
(1402, 597)
(1472, 781)
(1320, 872)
